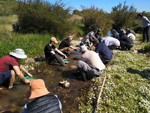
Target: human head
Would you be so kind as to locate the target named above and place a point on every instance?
(53, 40)
(70, 38)
(18, 53)
(113, 31)
(100, 39)
(83, 48)
(127, 29)
(140, 15)
(37, 89)
(86, 36)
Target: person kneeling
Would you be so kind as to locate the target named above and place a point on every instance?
(9, 66)
(90, 65)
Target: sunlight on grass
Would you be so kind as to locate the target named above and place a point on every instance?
(127, 85)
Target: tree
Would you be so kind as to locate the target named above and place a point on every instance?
(93, 17)
(123, 16)
(37, 16)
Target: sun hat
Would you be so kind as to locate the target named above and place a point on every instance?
(37, 89)
(18, 53)
(83, 48)
(54, 40)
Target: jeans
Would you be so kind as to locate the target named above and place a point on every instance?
(146, 31)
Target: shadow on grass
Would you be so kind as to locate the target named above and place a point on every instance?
(144, 74)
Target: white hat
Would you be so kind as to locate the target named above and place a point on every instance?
(18, 53)
(83, 48)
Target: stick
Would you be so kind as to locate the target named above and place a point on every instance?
(98, 100)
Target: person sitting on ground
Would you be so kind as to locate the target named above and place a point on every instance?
(85, 41)
(43, 102)
(94, 34)
(50, 55)
(115, 34)
(89, 65)
(110, 41)
(103, 51)
(9, 66)
(126, 42)
(65, 46)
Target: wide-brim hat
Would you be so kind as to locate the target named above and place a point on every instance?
(37, 89)
(18, 53)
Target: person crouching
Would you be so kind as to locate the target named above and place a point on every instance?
(90, 65)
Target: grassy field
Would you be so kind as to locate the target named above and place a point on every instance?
(127, 87)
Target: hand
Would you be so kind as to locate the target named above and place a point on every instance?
(26, 81)
(29, 74)
(65, 57)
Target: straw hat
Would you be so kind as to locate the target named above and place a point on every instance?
(54, 40)
(18, 53)
(37, 89)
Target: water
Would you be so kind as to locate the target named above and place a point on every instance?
(13, 101)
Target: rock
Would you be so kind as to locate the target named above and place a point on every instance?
(64, 83)
(38, 71)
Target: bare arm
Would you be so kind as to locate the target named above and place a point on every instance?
(74, 47)
(20, 74)
(60, 53)
(24, 70)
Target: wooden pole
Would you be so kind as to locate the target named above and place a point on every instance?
(101, 90)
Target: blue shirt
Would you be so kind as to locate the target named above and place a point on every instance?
(104, 51)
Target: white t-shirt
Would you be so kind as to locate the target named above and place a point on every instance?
(110, 41)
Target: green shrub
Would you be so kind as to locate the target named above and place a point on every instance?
(123, 16)
(93, 17)
(37, 16)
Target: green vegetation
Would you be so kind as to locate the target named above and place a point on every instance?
(93, 17)
(127, 85)
(32, 44)
(37, 16)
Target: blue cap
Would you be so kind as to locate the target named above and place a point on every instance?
(100, 38)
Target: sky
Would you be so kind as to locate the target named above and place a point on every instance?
(106, 5)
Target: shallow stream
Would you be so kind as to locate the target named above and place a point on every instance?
(13, 101)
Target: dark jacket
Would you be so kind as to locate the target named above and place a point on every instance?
(44, 104)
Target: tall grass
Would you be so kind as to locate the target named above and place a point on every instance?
(32, 44)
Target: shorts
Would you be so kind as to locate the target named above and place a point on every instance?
(5, 76)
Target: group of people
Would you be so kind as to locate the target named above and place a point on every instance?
(91, 64)
(10, 67)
